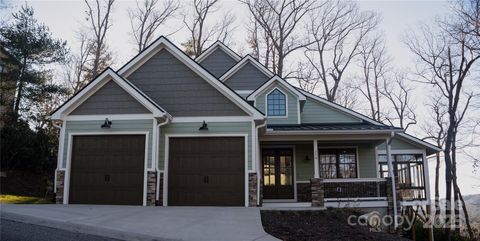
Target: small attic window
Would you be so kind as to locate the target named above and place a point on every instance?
(276, 103)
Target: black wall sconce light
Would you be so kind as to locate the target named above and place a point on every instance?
(307, 158)
(204, 127)
(107, 124)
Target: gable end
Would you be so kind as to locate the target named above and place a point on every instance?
(182, 92)
(110, 99)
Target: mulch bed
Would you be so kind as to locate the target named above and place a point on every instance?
(325, 225)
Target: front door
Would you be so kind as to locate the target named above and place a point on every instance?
(277, 174)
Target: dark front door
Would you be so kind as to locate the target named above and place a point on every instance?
(278, 174)
(206, 171)
(107, 169)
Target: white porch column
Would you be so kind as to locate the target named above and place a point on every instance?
(316, 166)
(392, 176)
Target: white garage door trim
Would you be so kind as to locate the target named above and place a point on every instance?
(66, 188)
(165, 168)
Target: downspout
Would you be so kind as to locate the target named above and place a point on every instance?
(167, 120)
(259, 165)
(60, 127)
(392, 176)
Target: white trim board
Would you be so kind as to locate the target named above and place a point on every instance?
(163, 43)
(110, 117)
(243, 62)
(286, 104)
(66, 187)
(166, 160)
(276, 79)
(212, 119)
(97, 84)
(217, 45)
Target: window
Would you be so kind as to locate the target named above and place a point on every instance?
(338, 163)
(276, 103)
(409, 173)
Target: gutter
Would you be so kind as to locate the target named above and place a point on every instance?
(168, 118)
(392, 175)
(257, 153)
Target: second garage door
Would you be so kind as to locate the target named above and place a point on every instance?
(206, 171)
(107, 169)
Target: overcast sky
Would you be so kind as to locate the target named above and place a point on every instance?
(65, 18)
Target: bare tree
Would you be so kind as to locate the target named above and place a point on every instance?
(98, 17)
(374, 63)
(447, 55)
(436, 133)
(199, 31)
(147, 17)
(279, 21)
(337, 30)
(76, 65)
(398, 94)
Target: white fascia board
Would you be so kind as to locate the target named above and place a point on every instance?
(253, 96)
(419, 142)
(211, 119)
(163, 43)
(243, 62)
(110, 117)
(215, 46)
(96, 84)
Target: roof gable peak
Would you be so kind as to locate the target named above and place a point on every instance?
(96, 84)
(272, 81)
(247, 59)
(163, 43)
(218, 45)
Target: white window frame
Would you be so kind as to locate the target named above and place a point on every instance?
(286, 104)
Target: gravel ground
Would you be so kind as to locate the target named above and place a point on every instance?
(18, 231)
(328, 225)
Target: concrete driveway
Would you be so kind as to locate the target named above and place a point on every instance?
(146, 223)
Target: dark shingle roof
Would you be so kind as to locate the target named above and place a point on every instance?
(331, 127)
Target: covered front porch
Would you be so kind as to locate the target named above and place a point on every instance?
(336, 170)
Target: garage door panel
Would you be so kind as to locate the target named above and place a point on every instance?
(206, 171)
(107, 169)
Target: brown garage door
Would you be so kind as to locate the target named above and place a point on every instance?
(107, 169)
(206, 171)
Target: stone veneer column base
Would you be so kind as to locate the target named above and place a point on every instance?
(151, 188)
(160, 190)
(60, 187)
(252, 189)
(318, 194)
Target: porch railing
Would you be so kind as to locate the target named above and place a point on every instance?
(355, 188)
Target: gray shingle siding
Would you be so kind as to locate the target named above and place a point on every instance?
(110, 99)
(180, 91)
(218, 62)
(247, 78)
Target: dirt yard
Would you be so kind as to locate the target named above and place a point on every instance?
(328, 225)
